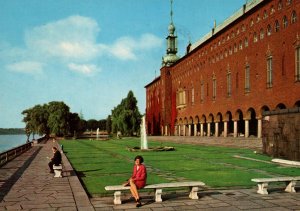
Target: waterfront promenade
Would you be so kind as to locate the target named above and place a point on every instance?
(26, 184)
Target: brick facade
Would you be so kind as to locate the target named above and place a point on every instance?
(243, 67)
(281, 133)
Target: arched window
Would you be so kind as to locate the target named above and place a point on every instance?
(288, 2)
(251, 22)
(228, 81)
(294, 17)
(269, 71)
(265, 14)
(279, 5)
(254, 37)
(272, 10)
(285, 22)
(269, 30)
(257, 18)
(214, 85)
(246, 42)
(277, 26)
(234, 48)
(247, 78)
(261, 34)
(241, 45)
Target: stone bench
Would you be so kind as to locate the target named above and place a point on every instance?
(264, 182)
(193, 186)
(58, 170)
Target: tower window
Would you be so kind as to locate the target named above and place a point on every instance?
(214, 85)
(294, 17)
(269, 72)
(247, 78)
(297, 65)
(228, 77)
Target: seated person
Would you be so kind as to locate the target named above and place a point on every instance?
(138, 179)
(55, 160)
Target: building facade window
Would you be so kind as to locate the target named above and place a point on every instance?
(228, 80)
(285, 22)
(254, 37)
(202, 92)
(269, 30)
(246, 42)
(269, 71)
(277, 26)
(297, 65)
(288, 2)
(279, 5)
(181, 99)
(214, 86)
(272, 10)
(261, 34)
(265, 14)
(247, 78)
(294, 17)
(193, 96)
(235, 48)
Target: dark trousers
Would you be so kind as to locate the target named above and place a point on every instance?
(50, 164)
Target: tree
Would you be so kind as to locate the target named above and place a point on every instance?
(108, 124)
(126, 116)
(52, 118)
(58, 118)
(92, 124)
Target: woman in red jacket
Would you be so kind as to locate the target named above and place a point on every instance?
(138, 179)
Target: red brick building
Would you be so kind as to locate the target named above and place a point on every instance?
(248, 64)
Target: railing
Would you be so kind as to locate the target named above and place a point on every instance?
(12, 153)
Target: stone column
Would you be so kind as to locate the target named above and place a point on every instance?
(184, 130)
(208, 129)
(259, 128)
(246, 128)
(216, 129)
(201, 129)
(225, 129)
(190, 129)
(195, 129)
(178, 133)
(162, 130)
(235, 128)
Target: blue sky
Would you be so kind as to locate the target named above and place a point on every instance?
(90, 53)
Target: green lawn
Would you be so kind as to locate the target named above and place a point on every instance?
(102, 163)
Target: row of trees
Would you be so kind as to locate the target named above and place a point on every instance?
(55, 118)
(52, 118)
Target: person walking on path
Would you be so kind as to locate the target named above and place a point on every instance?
(55, 160)
(138, 179)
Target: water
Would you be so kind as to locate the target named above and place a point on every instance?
(10, 141)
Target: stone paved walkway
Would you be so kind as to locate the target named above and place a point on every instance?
(26, 184)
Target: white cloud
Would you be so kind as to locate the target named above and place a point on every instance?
(86, 69)
(71, 43)
(28, 67)
(70, 38)
(126, 48)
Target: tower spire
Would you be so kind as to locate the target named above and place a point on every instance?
(171, 56)
(171, 13)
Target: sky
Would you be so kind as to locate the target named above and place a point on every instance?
(91, 53)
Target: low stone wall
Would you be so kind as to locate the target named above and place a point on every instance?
(281, 133)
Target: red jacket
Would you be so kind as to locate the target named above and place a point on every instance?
(139, 176)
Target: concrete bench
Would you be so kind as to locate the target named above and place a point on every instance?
(264, 182)
(193, 186)
(58, 170)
